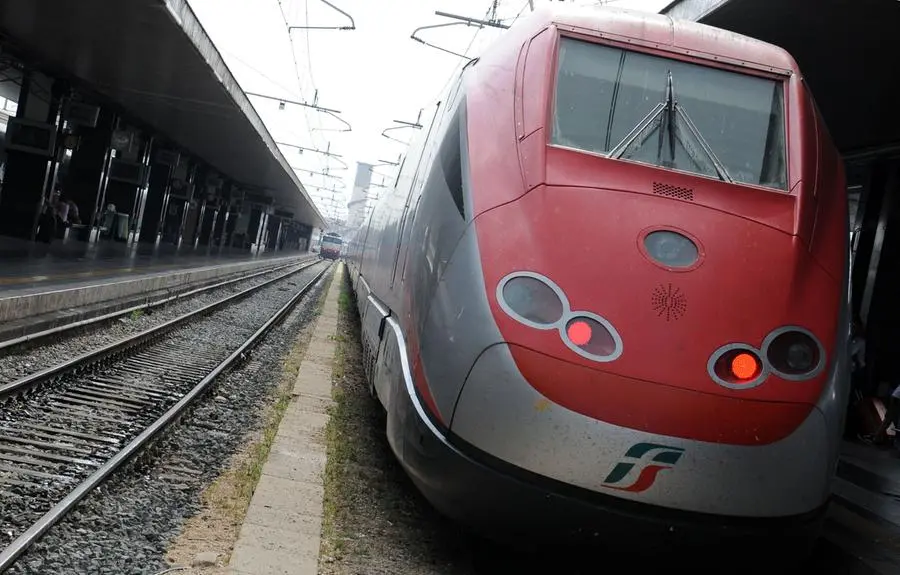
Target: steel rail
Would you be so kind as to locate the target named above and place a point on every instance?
(172, 415)
(30, 381)
(149, 305)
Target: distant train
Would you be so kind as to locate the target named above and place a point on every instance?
(331, 246)
(608, 293)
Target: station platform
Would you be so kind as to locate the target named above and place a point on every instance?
(45, 286)
(281, 532)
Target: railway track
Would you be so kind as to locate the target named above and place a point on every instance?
(66, 429)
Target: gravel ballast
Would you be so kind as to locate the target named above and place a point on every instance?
(17, 362)
(126, 525)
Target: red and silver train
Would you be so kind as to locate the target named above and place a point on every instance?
(608, 293)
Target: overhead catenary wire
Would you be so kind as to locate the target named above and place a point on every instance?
(274, 82)
(308, 48)
(287, 27)
(312, 124)
(466, 51)
(490, 16)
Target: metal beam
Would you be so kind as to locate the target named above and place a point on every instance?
(352, 25)
(296, 103)
(460, 21)
(473, 21)
(302, 149)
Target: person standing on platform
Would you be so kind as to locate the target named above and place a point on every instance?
(47, 222)
(74, 217)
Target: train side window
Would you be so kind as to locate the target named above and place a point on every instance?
(450, 155)
(411, 223)
(424, 157)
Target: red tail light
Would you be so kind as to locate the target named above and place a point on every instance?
(737, 366)
(744, 366)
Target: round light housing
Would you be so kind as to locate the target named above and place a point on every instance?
(671, 249)
(536, 301)
(737, 366)
(590, 336)
(794, 353)
(532, 300)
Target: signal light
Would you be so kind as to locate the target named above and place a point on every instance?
(590, 338)
(579, 332)
(737, 366)
(744, 366)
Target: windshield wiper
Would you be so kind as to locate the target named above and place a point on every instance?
(642, 129)
(668, 111)
(667, 124)
(717, 163)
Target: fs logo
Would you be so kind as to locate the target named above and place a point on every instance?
(650, 458)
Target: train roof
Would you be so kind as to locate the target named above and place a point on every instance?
(664, 31)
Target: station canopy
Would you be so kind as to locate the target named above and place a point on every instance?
(847, 51)
(153, 58)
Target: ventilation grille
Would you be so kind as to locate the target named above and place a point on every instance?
(671, 191)
(668, 302)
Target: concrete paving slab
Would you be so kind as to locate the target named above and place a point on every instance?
(307, 467)
(282, 530)
(279, 518)
(255, 561)
(287, 495)
(314, 380)
(299, 425)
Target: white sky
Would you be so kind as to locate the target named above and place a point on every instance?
(373, 75)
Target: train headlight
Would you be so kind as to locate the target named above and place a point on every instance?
(671, 249)
(794, 353)
(536, 301)
(801, 356)
(533, 301)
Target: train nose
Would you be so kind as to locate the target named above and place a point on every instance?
(511, 409)
(682, 295)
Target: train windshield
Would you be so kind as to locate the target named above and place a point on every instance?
(331, 240)
(670, 113)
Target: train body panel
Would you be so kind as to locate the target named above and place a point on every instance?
(686, 349)
(500, 413)
(747, 281)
